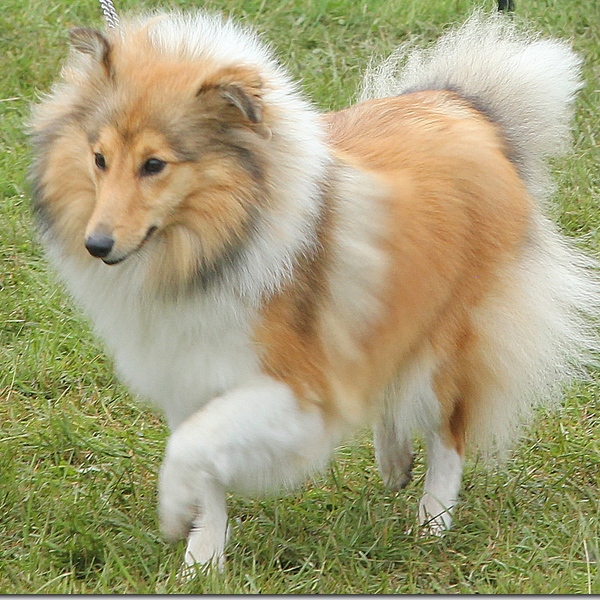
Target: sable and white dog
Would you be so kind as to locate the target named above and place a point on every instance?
(274, 278)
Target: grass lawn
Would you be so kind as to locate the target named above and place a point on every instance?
(79, 456)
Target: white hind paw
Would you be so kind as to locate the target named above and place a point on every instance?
(434, 518)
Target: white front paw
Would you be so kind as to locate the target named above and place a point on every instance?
(192, 504)
(206, 544)
(177, 503)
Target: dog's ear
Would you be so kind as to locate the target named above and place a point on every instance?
(248, 103)
(92, 42)
(239, 89)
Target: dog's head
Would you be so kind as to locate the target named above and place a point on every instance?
(148, 147)
(169, 144)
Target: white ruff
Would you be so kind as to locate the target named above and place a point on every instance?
(178, 355)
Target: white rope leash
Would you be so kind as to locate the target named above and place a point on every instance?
(110, 14)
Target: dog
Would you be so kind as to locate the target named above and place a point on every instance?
(275, 278)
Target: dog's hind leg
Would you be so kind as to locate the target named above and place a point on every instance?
(445, 448)
(393, 452)
(442, 484)
(409, 405)
(254, 439)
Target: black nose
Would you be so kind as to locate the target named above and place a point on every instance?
(99, 244)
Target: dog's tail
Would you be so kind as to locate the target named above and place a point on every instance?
(524, 83)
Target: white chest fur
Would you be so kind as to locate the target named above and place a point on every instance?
(178, 355)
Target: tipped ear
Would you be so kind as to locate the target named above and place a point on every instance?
(238, 88)
(92, 42)
(249, 105)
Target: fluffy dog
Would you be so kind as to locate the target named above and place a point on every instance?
(275, 278)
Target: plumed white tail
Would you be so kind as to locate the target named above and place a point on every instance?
(524, 83)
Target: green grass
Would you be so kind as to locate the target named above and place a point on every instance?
(79, 456)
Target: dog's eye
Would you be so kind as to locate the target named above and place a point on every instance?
(100, 161)
(153, 166)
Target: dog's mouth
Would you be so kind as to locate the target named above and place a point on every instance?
(108, 260)
(115, 261)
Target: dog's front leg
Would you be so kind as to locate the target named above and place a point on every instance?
(252, 439)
